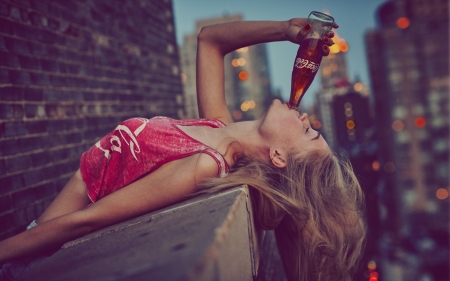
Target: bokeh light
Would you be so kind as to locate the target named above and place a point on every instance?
(442, 193)
(243, 75)
(237, 115)
(350, 124)
(389, 167)
(372, 265)
(358, 86)
(403, 22)
(317, 124)
(241, 61)
(398, 125)
(235, 63)
(420, 122)
(375, 165)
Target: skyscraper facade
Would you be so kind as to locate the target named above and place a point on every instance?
(247, 82)
(408, 58)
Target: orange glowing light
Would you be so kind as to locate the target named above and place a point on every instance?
(374, 274)
(350, 124)
(375, 165)
(243, 75)
(245, 106)
(398, 125)
(235, 62)
(343, 47)
(241, 61)
(373, 279)
(403, 23)
(317, 124)
(420, 122)
(237, 115)
(251, 104)
(372, 265)
(442, 193)
(358, 86)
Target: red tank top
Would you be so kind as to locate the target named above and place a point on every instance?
(139, 146)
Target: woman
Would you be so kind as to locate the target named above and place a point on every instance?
(303, 191)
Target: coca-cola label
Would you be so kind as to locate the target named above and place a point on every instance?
(303, 63)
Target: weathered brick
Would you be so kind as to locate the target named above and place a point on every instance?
(40, 79)
(24, 15)
(8, 111)
(5, 203)
(39, 5)
(15, 45)
(11, 129)
(8, 59)
(36, 127)
(53, 24)
(11, 93)
(55, 125)
(2, 167)
(4, 9)
(4, 76)
(29, 62)
(6, 27)
(19, 77)
(8, 147)
(19, 218)
(33, 143)
(31, 94)
(49, 65)
(45, 190)
(23, 2)
(6, 221)
(30, 110)
(15, 13)
(16, 164)
(37, 49)
(32, 177)
(2, 43)
(9, 183)
(40, 158)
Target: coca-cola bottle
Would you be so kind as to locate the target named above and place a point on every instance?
(309, 56)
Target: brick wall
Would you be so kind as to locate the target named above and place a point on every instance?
(69, 72)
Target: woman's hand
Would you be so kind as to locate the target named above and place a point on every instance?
(298, 28)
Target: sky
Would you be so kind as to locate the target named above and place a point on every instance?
(355, 18)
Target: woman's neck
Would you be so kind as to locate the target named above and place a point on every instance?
(246, 135)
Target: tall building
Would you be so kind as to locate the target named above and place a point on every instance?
(343, 114)
(334, 81)
(247, 82)
(408, 58)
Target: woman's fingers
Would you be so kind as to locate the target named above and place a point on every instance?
(325, 50)
(328, 41)
(303, 32)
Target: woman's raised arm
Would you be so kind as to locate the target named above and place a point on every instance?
(215, 41)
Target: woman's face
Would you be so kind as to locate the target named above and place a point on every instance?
(288, 130)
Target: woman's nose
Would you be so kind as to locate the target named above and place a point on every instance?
(303, 116)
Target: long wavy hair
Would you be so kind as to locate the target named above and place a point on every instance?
(315, 206)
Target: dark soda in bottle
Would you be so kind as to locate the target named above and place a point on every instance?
(309, 57)
(307, 62)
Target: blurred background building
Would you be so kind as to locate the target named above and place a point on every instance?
(342, 113)
(408, 56)
(247, 79)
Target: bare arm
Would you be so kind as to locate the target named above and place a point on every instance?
(167, 185)
(215, 41)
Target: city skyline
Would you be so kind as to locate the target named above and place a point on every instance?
(354, 18)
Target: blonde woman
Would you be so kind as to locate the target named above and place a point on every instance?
(301, 189)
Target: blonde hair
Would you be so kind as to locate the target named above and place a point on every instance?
(315, 205)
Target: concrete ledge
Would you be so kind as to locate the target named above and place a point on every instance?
(204, 238)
